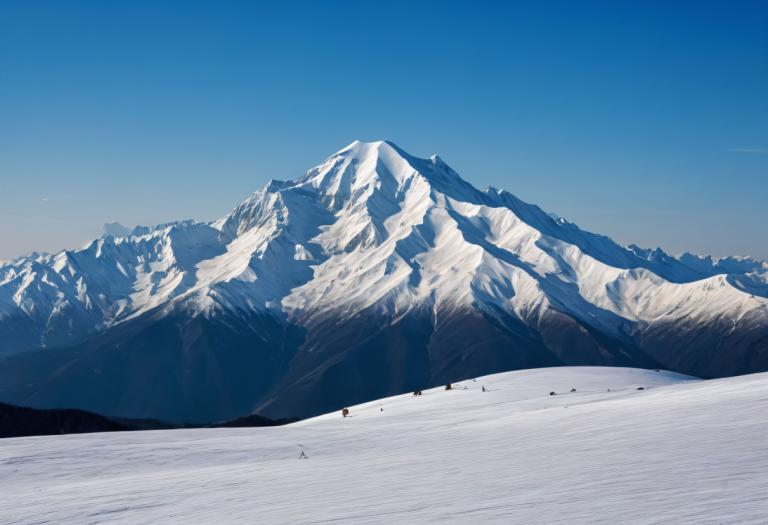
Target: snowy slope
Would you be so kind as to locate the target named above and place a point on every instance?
(372, 263)
(680, 451)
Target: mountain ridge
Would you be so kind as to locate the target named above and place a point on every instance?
(374, 262)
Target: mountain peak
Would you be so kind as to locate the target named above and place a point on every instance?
(363, 163)
(378, 150)
(375, 262)
(362, 145)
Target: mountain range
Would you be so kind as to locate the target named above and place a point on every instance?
(375, 273)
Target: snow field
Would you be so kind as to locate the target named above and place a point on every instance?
(679, 451)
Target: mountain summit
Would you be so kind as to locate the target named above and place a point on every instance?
(373, 274)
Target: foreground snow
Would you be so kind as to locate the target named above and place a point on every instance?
(680, 451)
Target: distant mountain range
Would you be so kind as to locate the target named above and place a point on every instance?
(16, 421)
(376, 273)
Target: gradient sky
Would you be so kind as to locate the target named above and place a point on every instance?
(644, 121)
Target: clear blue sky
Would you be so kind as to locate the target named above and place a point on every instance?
(647, 121)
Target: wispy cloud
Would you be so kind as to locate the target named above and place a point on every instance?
(747, 150)
(44, 199)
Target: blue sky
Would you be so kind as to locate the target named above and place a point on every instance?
(647, 121)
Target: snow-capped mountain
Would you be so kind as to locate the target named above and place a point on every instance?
(375, 273)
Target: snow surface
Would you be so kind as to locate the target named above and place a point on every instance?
(680, 451)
